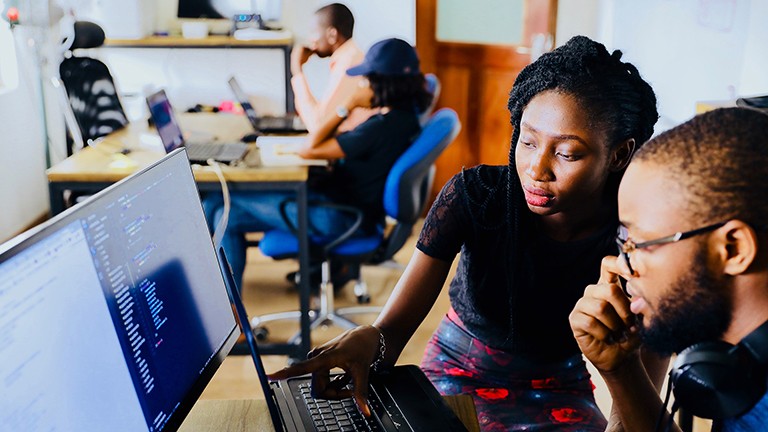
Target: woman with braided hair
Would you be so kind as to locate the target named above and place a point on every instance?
(531, 236)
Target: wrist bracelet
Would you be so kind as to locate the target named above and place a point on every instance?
(382, 349)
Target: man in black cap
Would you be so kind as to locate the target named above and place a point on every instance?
(392, 83)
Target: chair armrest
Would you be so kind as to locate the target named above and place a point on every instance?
(327, 247)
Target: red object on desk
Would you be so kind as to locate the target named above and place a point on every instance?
(13, 15)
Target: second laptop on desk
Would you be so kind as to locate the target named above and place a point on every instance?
(170, 134)
(288, 124)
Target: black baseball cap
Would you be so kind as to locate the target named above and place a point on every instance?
(388, 57)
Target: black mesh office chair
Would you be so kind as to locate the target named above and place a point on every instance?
(90, 88)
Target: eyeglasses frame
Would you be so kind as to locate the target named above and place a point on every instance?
(627, 246)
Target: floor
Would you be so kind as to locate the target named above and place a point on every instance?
(266, 290)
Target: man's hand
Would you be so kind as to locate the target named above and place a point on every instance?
(602, 323)
(299, 56)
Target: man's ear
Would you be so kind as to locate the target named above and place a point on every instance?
(737, 247)
(332, 35)
(622, 154)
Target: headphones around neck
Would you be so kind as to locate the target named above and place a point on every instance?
(717, 380)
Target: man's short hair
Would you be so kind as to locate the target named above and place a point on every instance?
(720, 160)
(338, 16)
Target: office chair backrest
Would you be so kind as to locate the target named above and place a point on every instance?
(433, 87)
(410, 179)
(90, 86)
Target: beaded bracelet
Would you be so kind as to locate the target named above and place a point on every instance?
(382, 349)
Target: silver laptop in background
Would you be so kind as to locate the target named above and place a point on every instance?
(288, 124)
(168, 128)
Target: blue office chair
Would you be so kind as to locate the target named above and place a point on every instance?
(433, 87)
(405, 197)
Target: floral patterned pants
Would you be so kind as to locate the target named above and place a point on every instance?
(510, 393)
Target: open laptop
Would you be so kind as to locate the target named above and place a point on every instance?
(113, 314)
(288, 124)
(172, 138)
(401, 399)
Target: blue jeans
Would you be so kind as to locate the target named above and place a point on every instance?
(259, 211)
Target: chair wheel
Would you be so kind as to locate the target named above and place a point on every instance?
(363, 299)
(261, 333)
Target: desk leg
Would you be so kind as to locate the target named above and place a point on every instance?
(306, 343)
(56, 198)
(289, 102)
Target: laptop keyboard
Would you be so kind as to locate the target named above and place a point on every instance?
(216, 151)
(338, 415)
(275, 123)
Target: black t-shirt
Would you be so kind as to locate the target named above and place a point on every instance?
(370, 151)
(469, 216)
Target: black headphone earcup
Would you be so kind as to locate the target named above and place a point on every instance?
(712, 381)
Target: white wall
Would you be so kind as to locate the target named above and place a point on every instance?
(23, 186)
(193, 76)
(689, 50)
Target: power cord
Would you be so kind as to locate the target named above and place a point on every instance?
(221, 227)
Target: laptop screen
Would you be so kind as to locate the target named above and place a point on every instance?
(242, 99)
(162, 115)
(114, 314)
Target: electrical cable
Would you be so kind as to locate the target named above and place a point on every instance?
(221, 227)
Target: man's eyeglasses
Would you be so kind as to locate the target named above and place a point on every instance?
(627, 246)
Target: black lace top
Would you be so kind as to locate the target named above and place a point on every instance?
(469, 216)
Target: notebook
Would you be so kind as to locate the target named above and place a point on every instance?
(402, 399)
(283, 151)
(290, 123)
(170, 134)
(113, 314)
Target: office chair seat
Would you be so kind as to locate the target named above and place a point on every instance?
(280, 244)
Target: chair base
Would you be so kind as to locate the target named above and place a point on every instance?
(317, 319)
(325, 316)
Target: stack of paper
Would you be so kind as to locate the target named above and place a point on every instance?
(283, 151)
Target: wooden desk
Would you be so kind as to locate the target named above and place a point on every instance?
(282, 41)
(252, 415)
(94, 168)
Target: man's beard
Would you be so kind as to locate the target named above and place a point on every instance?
(697, 309)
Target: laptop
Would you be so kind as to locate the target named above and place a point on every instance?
(113, 314)
(288, 124)
(170, 134)
(401, 399)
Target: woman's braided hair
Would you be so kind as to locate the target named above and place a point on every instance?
(617, 100)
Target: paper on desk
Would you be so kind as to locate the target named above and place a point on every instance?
(150, 141)
(258, 34)
(283, 151)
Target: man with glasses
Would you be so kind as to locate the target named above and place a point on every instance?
(692, 268)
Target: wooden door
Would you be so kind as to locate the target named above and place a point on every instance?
(476, 79)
